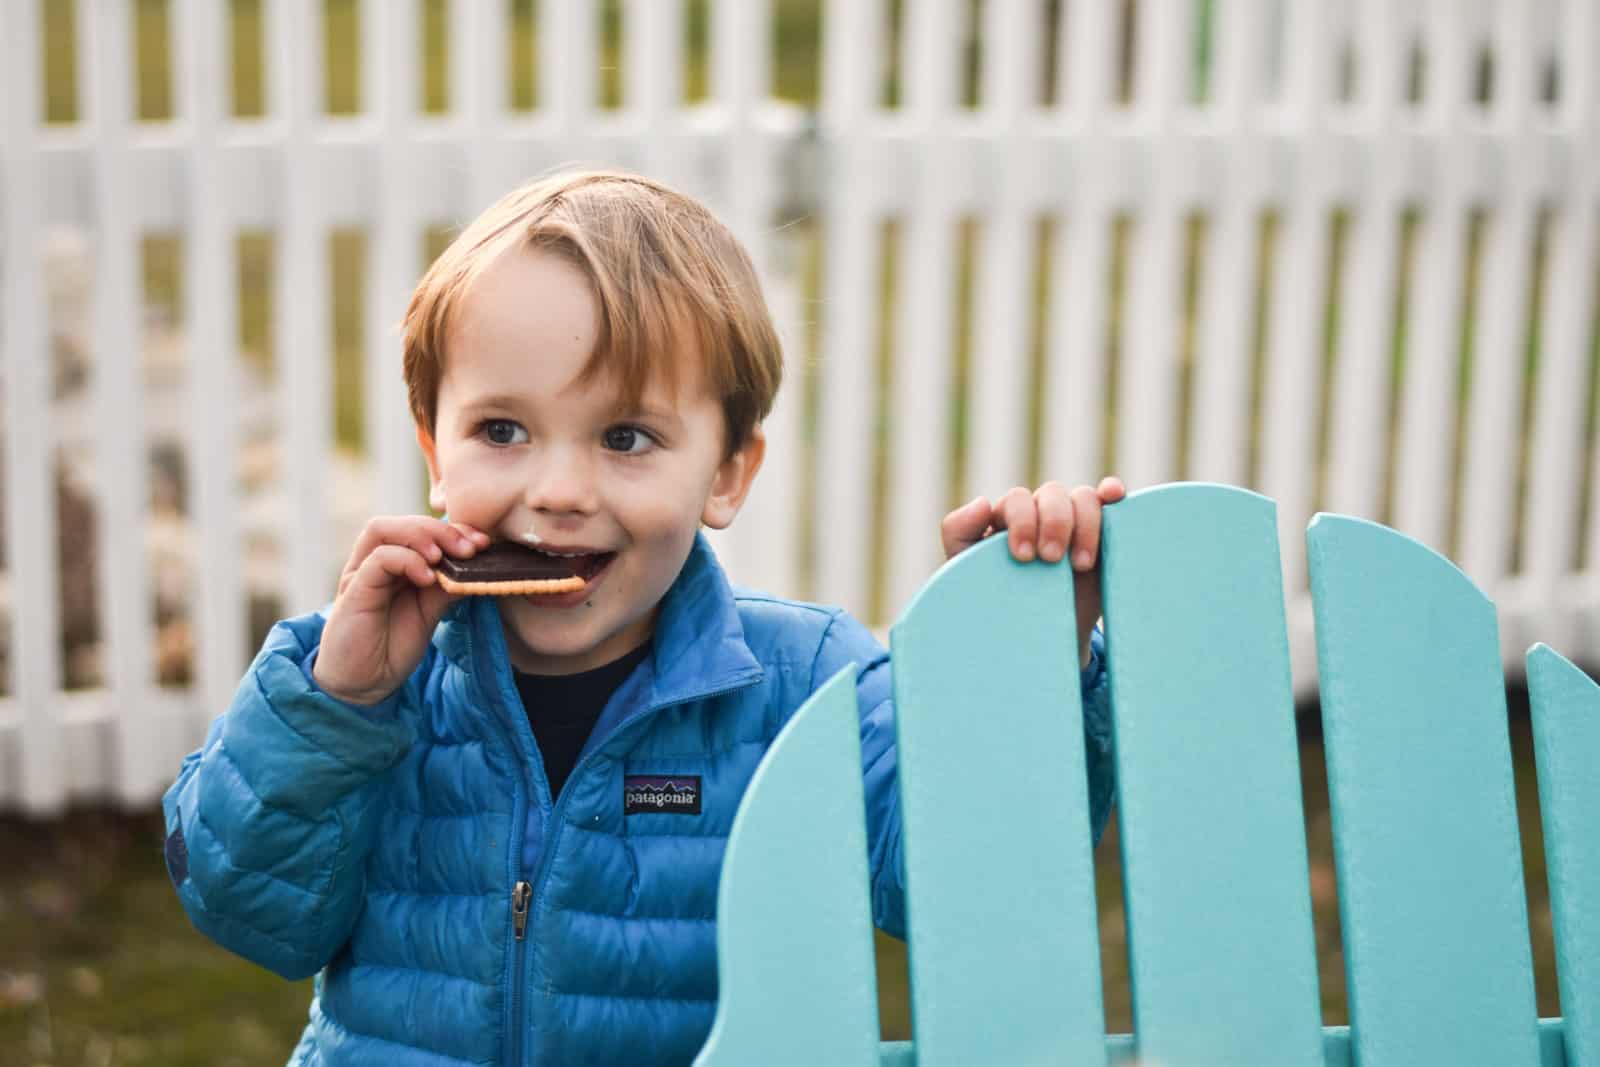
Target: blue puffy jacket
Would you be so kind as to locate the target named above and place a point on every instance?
(411, 857)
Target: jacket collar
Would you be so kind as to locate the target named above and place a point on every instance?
(698, 646)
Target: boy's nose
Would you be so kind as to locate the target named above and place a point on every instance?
(561, 484)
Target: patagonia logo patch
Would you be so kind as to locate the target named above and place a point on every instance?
(675, 794)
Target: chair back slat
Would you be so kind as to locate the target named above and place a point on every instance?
(797, 980)
(1437, 954)
(1566, 749)
(1004, 946)
(1220, 939)
(995, 816)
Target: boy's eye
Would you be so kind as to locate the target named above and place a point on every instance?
(629, 439)
(503, 432)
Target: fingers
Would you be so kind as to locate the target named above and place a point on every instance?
(433, 602)
(428, 537)
(1019, 516)
(1086, 504)
(384, 566)
(1049, 523)
(478, 538)
(965, 526)
(1055, 520)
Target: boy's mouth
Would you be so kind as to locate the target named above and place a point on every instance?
(583, 563)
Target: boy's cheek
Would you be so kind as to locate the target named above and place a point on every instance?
(471, 501)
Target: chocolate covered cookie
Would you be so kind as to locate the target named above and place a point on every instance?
(507, 569)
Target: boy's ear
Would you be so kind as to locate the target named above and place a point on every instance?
(733, 479)
(435, 481)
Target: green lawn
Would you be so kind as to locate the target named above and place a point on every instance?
(99, 966)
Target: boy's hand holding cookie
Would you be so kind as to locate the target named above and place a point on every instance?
(388, 604)
(1047, 524)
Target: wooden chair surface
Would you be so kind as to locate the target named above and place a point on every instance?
(1003, 934)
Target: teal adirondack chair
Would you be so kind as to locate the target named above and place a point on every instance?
(1003, 939)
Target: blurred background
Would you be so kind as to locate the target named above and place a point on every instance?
(1342, 253)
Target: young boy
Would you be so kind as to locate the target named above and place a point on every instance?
(446, 807)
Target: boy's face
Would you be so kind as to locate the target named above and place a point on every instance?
(526, 452)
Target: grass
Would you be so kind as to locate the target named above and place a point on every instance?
(99, 965)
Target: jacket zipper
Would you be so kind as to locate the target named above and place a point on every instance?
(521, 890)
(553, 831)
(525, 893)
(521, 894)
(521, 901)
(519, 924)
(519, 909)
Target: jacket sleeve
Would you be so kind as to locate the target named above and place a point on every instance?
(269, 824)
(848, 641)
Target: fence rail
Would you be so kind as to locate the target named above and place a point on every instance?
(1343, 253)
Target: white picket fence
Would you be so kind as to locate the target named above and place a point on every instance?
(1481, 116)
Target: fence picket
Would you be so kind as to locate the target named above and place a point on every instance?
(568, 87)
(1556, 465)
(394, 257)
(1080, 317)
(1147, 400)
(653, 32)
(1490, 437)
(762, 548)
(1081, 252)
(1371, 269)
(741, 57)
(998, 438)
(1428, 387)
(480, 102)
(302, 292)
(1294, 329)
(846, 445)
(211, 321)
(851, 272)
(919, 474)
(121, 457)
(32, 547)
(1220, 428)
(1557, 426)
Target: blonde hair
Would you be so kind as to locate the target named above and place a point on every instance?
(667, 276)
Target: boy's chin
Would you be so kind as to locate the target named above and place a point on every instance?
(538, 648)
(529, 643)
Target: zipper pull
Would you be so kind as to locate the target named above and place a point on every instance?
(519, 908)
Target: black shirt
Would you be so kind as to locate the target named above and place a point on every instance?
(563, 708)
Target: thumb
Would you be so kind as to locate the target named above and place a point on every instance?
(965, 526)
(433, 601)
